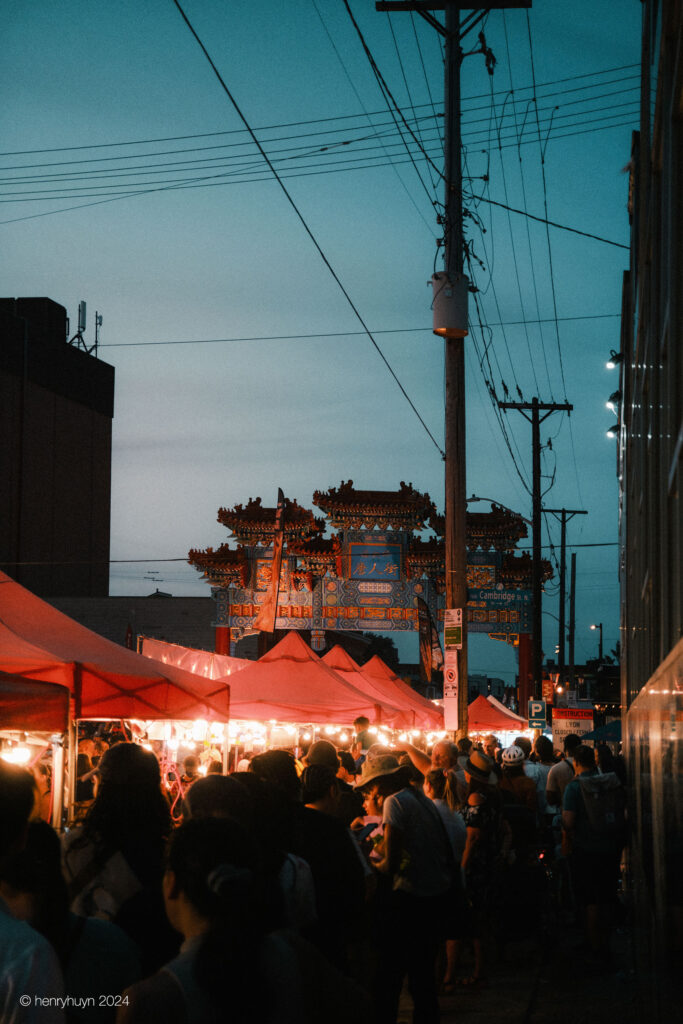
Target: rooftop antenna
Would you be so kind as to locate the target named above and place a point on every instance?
(78, 340)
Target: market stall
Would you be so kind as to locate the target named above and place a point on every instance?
(416, 712)
(378, 671)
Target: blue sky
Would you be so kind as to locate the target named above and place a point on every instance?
(208, 424)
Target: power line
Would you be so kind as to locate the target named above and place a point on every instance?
(296, 124)
(305, 225)
(334, 334)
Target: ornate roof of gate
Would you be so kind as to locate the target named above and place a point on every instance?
(254, 523)
(348, 509)
(500, 529)
(516, 570)
(223, 567)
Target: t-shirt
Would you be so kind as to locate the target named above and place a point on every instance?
(558, 777)
(424, 865)
(28, 968)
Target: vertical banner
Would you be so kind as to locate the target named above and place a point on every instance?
(265, 620)
(451, 682)
(431, 656)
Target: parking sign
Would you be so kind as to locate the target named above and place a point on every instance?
(537, 714)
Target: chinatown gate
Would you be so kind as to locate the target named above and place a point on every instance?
(373, 574)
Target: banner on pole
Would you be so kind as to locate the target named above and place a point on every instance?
(265, 620)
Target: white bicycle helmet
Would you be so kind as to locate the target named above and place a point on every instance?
(513, 755)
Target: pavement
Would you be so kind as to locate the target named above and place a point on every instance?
(545, 979)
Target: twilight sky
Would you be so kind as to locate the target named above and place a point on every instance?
(129, 181)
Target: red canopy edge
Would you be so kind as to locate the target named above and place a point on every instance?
(33, 705)
(106, 680)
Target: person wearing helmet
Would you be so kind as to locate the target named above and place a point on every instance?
(515, 786)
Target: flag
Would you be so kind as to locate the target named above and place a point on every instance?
(265, 620)
(431, 656)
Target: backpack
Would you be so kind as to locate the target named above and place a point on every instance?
(605, 802)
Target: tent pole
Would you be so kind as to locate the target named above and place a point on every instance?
(71, 770)
(226, 748)
(57, 742)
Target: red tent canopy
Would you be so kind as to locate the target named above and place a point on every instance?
(344, 665)
(431, 716)
(32, 705)
(104, 679)
(481, 715)
(291, 683)
(192, 659)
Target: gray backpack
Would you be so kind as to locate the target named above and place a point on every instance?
(605, 802)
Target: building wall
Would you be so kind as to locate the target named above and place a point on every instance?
(179, 620)
(649, 469)
(56, 409)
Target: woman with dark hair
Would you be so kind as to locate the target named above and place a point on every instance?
(211, 895)
(438, 787)
(113, 861)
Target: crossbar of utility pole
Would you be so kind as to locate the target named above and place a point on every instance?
(425, 5)
(564, 514)
(535, 408)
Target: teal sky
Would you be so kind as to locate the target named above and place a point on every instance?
(203, 425)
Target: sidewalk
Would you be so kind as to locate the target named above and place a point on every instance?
(547, 982)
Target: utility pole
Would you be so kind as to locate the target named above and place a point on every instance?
(565, 515)
(572, 621)
(535, 419)
(450, 322)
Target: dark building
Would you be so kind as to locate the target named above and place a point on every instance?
(650, 429)
(56, 409)
(179, 620)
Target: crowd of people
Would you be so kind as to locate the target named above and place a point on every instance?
(298, 888)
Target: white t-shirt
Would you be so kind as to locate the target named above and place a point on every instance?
(424, 868)
(29, 973)
(558, 777)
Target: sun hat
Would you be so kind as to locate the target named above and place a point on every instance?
(512, 756)
(323, 753)
(374, 767)
(479, 766)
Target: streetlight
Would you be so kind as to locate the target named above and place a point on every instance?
(598, 625)
(494, 501)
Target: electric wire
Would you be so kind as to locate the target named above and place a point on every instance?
(410, 98)
(328, 334)
(368, 115)
(305, 225)
(552, 278)
(292, 124)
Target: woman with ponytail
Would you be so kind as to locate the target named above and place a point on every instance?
(229, 968)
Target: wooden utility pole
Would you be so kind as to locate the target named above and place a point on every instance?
(535, 419)
(450, 322)
(572, 621)
(565, 515)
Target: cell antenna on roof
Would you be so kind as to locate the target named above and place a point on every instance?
(78, 340)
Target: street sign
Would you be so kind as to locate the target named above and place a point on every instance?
(452, 635)
(450, 689)
(537, 714)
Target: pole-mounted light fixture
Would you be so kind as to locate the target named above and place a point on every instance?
(613, 401)
(614, 359)
(614, 430)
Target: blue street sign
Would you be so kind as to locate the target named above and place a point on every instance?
(537, 714)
